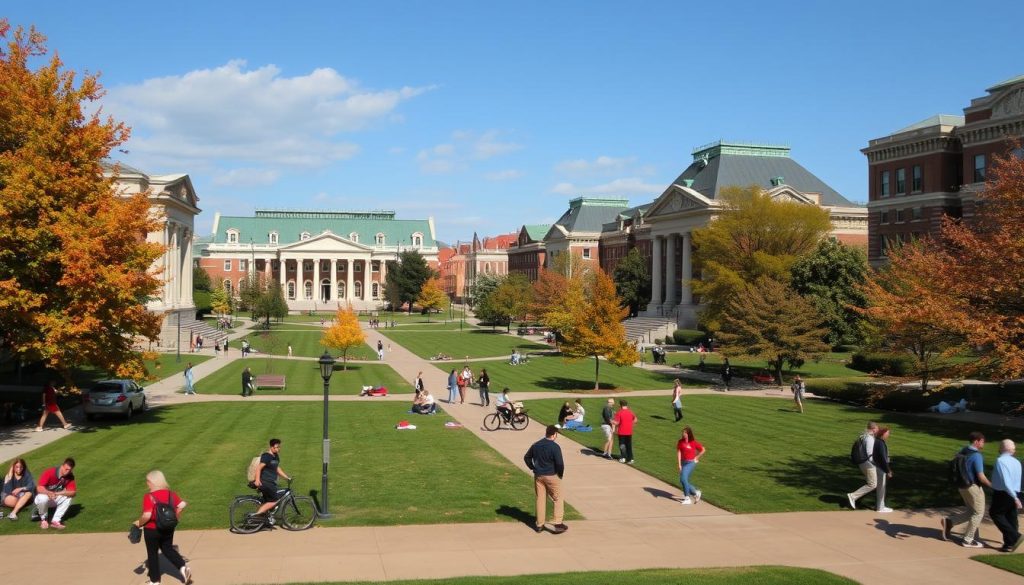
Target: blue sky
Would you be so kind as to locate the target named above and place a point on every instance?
(489, 115)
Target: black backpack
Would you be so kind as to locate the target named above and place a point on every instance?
(960, 469)
(165, 515)
(859, 451)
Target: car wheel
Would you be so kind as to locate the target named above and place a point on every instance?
(131, 410)
(144, 406)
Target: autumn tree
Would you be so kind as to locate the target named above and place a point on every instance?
(830, 277)
(406, 277)
(432, 297)
(768, 320)
(754, 237)
(597, 330)
(510, 300)
(220, 302)
(633, 281)
(75, 266)
(344, 334)
(554, 295)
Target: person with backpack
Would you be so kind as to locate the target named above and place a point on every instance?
(798, 387)
(267, 472)
(1006, 503)
(968, 470)
(161, 509)
(860, 455)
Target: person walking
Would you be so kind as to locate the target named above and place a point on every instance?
(453, 386)
(189, 379)
(544, 458)
(677, 399)
(865, 450)
(883, 470)
(246, 382)
(798, 388)
(50, 407)
(607, 426)
(624, 421)
(485, 385)
(688, 454)
(289, 351)
(726, 373)
(160, 540)
(464, 379)
(1006, 475)
(380, 350)
(972, 494)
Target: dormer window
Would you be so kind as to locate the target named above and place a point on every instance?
(232, 236)
(417, 240)
(304, 236)
(379, 239)
(354, 237)
(273, 237)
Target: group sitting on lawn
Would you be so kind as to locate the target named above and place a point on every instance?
(56, 489)
(570, 417)
(424, 403)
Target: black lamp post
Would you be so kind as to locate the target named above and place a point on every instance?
(326, 369)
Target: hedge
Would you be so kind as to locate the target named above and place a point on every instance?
(886, 364)
(995, 398)
(688, 336)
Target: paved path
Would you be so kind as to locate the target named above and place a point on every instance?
(633, 521)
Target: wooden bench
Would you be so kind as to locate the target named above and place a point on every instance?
(270, 381)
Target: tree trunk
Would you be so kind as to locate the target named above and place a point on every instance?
(778, 370)
(597, 373)
(344, 360)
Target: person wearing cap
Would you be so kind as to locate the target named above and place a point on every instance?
(544, 458)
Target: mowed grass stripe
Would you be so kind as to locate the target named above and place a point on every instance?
(303, 377)
(460, 344)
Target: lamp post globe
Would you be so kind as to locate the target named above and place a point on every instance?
(326, 369)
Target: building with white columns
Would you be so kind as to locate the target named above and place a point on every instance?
(322, 260)
(691, 202)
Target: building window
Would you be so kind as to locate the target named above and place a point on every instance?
(291, 267)
(243, 265)
(341, 289)
(979, 168)
(325, 266)
(885, 184)
(376, 290)
(358, 286)
(227, 287)
(291, 289)
(379, 239)
(417, 240)
(901, 181)
(307, 266)
(375, 266)
(227, 266)
(307, 290)
(916, 214)
(354, 237)
(883, 217)
(304, 236)
(918, 177)
(273, 237)
(232, 236)
(899, 216)
(357, 267)
(586, 253)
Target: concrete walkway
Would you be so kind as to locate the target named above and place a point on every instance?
(632, 521)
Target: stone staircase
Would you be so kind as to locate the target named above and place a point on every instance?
(647, 329)
(190, 327)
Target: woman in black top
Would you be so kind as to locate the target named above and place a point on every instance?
(485, 383)
(883, 470)
(564, 412)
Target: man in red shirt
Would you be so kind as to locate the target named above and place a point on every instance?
(56, 489)
(623, 422)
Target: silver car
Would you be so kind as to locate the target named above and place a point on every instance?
(123, 397)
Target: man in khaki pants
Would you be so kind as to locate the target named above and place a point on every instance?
(544, 458)
(867, 467)
(973, 495)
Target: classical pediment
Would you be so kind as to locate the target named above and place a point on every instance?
(175, 187)
(326, 242)
(556, 233)
(677, 199)
(787, 193)
(1012, 104)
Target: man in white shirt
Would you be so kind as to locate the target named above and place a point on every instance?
(867, 467)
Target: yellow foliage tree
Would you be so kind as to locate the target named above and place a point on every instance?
(74, 261)
(432, 296)
(596, 328)
(344, 334)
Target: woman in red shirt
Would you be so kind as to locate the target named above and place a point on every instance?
(688, 454)
(158, 541)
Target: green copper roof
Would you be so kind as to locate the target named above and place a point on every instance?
(720, 147)
(1003, 84)
(537, 231)
(597, 202)
(290, 226)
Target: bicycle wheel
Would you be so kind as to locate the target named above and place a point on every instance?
(242, 513)
(520, 421)
(492, 421)
(299, 513)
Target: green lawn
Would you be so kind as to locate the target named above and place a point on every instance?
(731, 576)
(1013, 563)
(305, 343)
(435, 326)
(164, 366)
(764, 457)
(168, 365)
(547, 373)
(832, 365)
(303, 377)
(378, 475)
(478, 343)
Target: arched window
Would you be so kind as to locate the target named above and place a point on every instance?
(227, 287)
(354, 237)
(376, 290)
(232, 236)
(241, 282)
(273, 237)
(325, 290)
(487, 267)
(307, 290)
(417, 240)
(358, 286)
(379, 239)
(291, 289)
(341, 289)
(304, 236)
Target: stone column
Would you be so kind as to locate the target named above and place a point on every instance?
(172, 268)
(166, 275)
(656, 298)
(671, 282)
(350, 278)
(367, 268)
(334, 280)
(281, 269)
(686, 298)
(316, 280)
(186, 269)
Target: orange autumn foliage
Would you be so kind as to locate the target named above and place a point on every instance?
(74, 263)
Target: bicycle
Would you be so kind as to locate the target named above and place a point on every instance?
(518, 419)
(291, 511)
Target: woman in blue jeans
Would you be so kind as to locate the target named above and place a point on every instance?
(688, 454)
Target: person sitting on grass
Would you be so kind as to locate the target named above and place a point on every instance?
(564, 413)
(424, 403)
(514, 360)
(18, 488)
(56, 489)
(575, 419)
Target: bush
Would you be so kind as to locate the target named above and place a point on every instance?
(658, 340)
(886, 364)
(847, 348)
(995, 398)
(688, 336)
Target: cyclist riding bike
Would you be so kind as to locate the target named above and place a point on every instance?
(504, 404)
(266, 476)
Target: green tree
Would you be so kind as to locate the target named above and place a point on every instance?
(407, 276)
(480, 296)
(754, 237)
(432, 296)
(597, 330)
(771, 321)
(633, 281)
(511, 300)
(271, 304)
(831, 277)
(201, 279)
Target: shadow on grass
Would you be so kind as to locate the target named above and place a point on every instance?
(574, 384)
(517, 514)
(110, 421)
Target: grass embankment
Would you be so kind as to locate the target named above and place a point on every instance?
(303, 377)
(478, 343)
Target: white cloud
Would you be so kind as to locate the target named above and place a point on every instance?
(250, 115)
(505, 175)
(598, 165)
(624, 186)
(246, 177)
(464, 147)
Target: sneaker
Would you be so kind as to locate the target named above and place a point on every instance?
(538, 529)
(630, 462)
(559, 528)
(607, 455)
(623, 460)
(1016, 545)
(67, 426)
(696, 497)
(57, 525)
(12, 516)
(686, 501)
(947, 528)
(853, 502)
(884, 510)
(44, 524)
(39, 429)
(35, 517)
(972, 544)
(186, 574)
